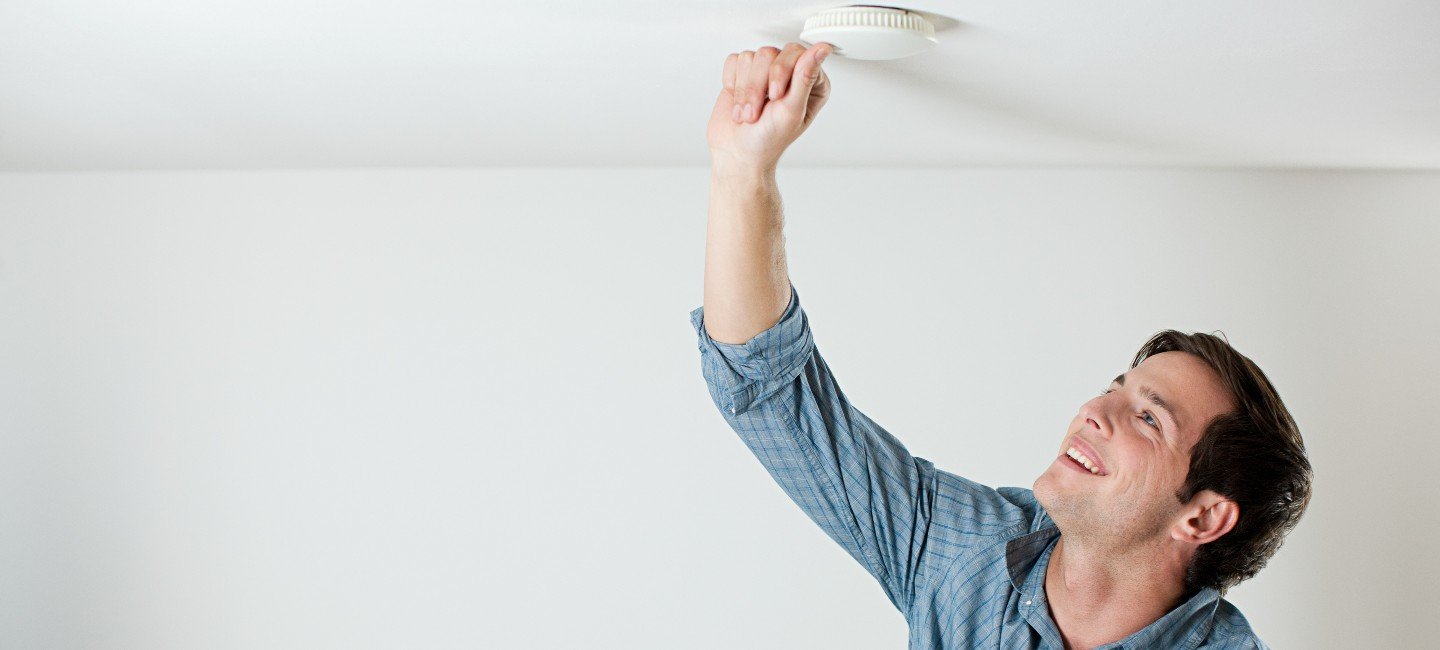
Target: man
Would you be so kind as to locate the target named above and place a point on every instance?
(1176, 483)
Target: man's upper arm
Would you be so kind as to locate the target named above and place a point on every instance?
(846, 472)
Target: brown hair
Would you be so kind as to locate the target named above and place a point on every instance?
(1252, 455)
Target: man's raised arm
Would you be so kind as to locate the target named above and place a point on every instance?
(846, 473)
(894, 513)
(746, 281)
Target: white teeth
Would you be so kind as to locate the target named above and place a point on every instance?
(1083, 460)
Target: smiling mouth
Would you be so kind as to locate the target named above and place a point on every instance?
(1083, 462)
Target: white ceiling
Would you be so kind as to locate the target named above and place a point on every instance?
(167, 84)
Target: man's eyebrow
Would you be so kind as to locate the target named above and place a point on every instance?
(1154, 398)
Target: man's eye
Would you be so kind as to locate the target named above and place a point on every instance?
(1152, 421)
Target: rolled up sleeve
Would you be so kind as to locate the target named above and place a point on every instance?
(849, 475)
(741, 374)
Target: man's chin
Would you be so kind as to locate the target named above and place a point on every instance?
(1052, 489)
(1044, 489)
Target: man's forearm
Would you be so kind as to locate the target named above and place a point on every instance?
(747, 284)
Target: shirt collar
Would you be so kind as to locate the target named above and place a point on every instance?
(1184, 627)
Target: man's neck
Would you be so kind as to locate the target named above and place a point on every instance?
(1097, 596)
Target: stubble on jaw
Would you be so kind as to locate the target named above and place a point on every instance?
(1081, 518)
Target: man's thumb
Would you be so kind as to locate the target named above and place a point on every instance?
(807, 74)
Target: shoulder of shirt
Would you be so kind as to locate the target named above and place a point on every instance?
(1232, 629)
(1024, 499)
(1021, 497)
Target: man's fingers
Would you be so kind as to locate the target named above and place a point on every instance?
(727, 79)
(727, 74)
(781, 69)
(754, 78)
(742, 72)
(758, 82)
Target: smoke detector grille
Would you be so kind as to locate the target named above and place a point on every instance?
(870, 32)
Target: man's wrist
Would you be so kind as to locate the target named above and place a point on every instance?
(726, 168)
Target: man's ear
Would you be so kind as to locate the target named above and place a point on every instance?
(1206, 518)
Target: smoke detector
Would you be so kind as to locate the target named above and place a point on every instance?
(870, 32)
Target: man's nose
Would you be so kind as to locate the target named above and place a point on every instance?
(1103, 431)
(1097, 419)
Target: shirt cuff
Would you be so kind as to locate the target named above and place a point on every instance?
(741, 374)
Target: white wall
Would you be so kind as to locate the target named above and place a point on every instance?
(463, 408)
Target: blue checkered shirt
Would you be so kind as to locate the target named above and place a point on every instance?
(963, 562)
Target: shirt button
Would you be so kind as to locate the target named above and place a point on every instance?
(1027, 602)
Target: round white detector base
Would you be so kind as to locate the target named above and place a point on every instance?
(870, 32)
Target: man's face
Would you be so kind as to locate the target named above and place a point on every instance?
(1139, 449)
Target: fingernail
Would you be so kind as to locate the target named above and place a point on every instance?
(736, 112)
(749, 112)
(824, 52)
(771, 94)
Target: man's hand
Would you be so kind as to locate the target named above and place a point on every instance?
(770, 97)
